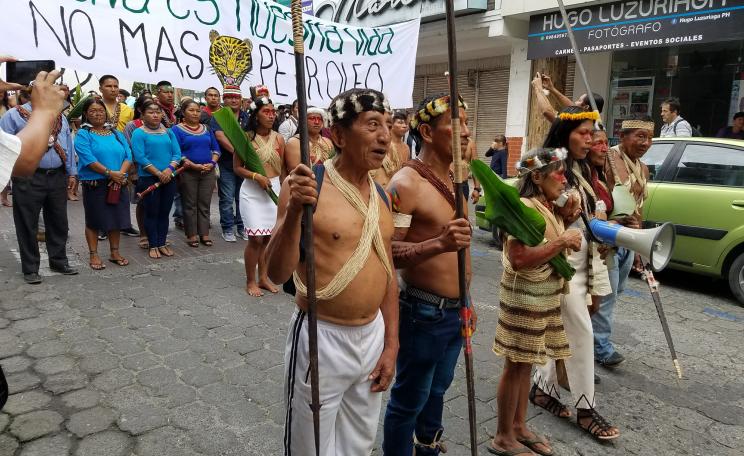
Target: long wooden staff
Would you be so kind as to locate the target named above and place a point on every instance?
(156, 185)
(647, 275)
(307, 219)
(465, 310)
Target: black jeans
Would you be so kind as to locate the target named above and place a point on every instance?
(47, 190)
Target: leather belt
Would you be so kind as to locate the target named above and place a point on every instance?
(49, 171)
(430, 298)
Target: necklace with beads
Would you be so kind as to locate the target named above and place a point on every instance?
(192, 129)
(101, 131)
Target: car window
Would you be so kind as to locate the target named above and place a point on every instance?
(655, 156)
(711, 165)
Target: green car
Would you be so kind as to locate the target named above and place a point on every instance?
(698, 185)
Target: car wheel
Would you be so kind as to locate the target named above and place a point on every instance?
(497, 240)
(736, 278)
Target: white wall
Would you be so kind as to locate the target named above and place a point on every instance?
(519, 90)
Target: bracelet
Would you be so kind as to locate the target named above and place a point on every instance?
(171, 167)
(253, 176)
(107, 172)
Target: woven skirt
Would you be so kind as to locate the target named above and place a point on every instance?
(530, 329)
(257, 209)
(101, 216)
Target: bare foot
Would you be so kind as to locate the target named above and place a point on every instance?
(6, 203)
(267, 285)
(252, 289)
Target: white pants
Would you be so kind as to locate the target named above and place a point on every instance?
(578, 326)
(349, 412)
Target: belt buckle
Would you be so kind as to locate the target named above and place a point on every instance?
(442, 302)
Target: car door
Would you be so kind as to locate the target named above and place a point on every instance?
(702, 193)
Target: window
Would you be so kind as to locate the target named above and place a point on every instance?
(711, 165)
(655, 156)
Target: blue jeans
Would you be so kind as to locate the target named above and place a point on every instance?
(228, 187)
(156, 206)
(602, 320)
(177, 207)
(430, 343)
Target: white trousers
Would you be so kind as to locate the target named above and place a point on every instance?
(349, 412)
(578, 326)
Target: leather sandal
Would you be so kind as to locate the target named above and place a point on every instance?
(552, 405)
(596, 426)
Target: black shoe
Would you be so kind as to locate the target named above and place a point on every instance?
(612, 360)
(130, 232)
(32, 278)
(66, 270)
(102, 236)
(597, 380)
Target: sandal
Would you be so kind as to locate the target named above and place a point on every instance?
(154, 253)
(165, 250)
(121, 261)
(143, 243)
(597, 426)
(532, 444)
(192, 243)
(497, 452)
(207, 242)
(96, 266)
(553, 405)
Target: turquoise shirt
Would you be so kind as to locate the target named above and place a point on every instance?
(111, 151)
(156, 149)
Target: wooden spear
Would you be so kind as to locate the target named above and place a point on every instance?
(465, 310)
(307, 218)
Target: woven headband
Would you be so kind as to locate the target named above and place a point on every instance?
(316, 111)
(637, 124)
(544, 158)
(587, 115)
(357, 103)
(434, 109)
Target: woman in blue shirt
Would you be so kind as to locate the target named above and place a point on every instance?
(157, 154)
(499, 156)
(103, 160)
(200, 151)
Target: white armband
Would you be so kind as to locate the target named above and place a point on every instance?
(402, 220)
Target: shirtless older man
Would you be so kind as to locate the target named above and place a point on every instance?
(357, 293)
(425, 246)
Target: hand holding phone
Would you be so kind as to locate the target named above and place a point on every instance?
(5, 85)
(25, 71)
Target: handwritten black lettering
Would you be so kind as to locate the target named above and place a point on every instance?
(66, 44)
(278, 72)
(92, 35)
(172, 58)
(267, 60)
(185, 49)
(311, 69)
(140, 29)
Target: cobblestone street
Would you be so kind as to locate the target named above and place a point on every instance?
(171, 357)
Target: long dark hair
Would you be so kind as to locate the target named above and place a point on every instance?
(558, 136)
(139, 105)
(252, 126)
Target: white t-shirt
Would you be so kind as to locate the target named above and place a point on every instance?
(10, 149)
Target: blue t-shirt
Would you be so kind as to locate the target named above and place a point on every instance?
(156, 149)
(197, 147)
(111, 151)
(226, 158)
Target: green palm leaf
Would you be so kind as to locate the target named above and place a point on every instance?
(230, 126)
(77, 109)
(505, 210)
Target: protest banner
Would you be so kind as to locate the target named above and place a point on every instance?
(195, 44)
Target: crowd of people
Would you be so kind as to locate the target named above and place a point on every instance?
(386, 242)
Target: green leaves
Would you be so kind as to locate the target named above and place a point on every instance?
(505, 210)
(77, 105)
(243, 147)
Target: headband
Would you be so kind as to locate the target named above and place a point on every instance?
(434, 109)
(637, 124)
(317, 111)
(587, 115)
(540, 160)
(232, 90)
(261, 94)
(348, 105)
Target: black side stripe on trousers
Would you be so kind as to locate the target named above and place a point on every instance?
(296, 330)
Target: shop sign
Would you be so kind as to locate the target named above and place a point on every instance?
(636, 24)
(369, 13)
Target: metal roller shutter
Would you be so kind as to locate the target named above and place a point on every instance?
(570, 76)
(491, 110)
(419, 88)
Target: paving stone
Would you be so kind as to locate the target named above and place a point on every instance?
(200, 376)
(189, 332)
(46, 349)
(99, 362)
(140, 361)
(66, 381)
(176, 395)
(144, 418)
(25, 402)
(8, 445)
(157, 377)
(221, 394)
(23, 313)
(217, 441)
(36, 424)
(165, 441)
(39, 335)
(90, 421)
(48, 446)
(4, 323)
(244, 345)
(15, 364)
(168, 346)
(22, 381)
(81, 399)
(106, 443)
(54, 365)
(11, 346)
(194, 416)
(4, 421)
(30, 324)
(87, 347)
(183, 360)
(113, 379)
(126, 347)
